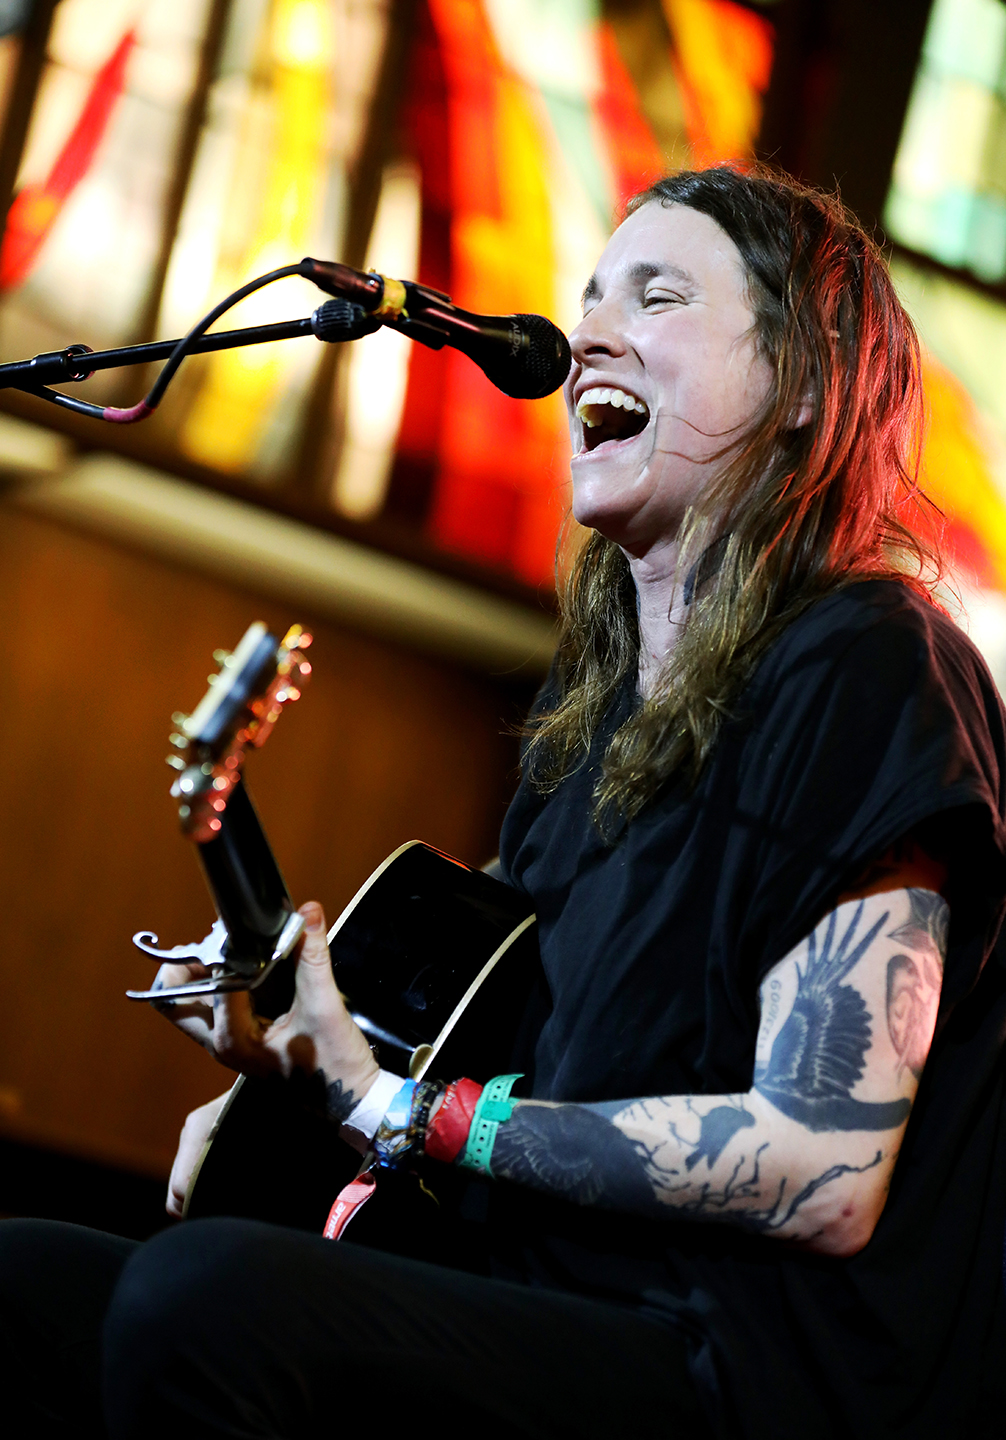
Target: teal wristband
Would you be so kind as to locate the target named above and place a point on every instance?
(494, 1106)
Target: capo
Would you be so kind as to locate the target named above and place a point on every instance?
(210, 952)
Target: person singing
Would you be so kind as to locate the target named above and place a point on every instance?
(752, 1181)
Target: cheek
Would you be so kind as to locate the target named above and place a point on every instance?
(755, 381)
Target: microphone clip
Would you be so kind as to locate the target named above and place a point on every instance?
(339, 320)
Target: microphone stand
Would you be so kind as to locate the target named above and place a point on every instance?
(525, 356)
(79, 362)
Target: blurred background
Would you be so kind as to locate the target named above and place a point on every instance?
(156, 154)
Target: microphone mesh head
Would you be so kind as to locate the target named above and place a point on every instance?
(539, 367)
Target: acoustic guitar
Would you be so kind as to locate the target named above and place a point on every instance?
(438, 962)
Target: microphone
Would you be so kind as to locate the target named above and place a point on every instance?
(525, 356)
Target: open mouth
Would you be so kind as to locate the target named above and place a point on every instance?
(608, 414)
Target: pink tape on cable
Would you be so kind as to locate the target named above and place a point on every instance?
(128, 417)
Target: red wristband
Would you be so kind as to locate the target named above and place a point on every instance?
(447, 1132)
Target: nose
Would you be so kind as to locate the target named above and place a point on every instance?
(598, 334)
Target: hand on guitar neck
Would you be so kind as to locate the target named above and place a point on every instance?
(316, 1043)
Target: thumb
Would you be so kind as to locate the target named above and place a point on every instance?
(315, 981)
(314, 946)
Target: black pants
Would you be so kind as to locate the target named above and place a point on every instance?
(233, 1328)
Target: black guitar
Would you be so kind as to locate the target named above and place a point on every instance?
(436, 960)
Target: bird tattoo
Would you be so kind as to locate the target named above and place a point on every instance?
(818, 1055)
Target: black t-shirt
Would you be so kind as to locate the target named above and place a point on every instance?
(871, 716)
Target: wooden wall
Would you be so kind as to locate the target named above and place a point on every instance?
(99, 645)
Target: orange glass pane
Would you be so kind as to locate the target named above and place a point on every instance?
(635, 155)
(722, 54)
(508, 149)
(498, 493)
(957, 475)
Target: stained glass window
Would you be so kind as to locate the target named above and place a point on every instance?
(84, 233)
(179, 147)
(528, 129)
(948, 199)
(286, 113)
(948, 202)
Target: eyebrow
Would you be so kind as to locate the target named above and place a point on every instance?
(642, 270)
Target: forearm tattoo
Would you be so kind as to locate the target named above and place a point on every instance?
(847, 1020)
(339, 1102)
(330, 1100)
(575, 1152)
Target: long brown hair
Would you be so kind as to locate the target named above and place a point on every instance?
(803, 511)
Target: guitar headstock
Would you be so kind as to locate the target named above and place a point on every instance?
(237, 713)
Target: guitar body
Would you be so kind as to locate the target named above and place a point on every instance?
(439, 964)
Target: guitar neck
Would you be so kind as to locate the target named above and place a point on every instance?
(249, 891)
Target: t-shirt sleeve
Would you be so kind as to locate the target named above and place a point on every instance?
(870, 723)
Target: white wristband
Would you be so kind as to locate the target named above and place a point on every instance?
(367, 1116)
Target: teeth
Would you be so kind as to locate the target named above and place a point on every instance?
(603, 395)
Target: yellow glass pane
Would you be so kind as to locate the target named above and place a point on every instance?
(268, 187)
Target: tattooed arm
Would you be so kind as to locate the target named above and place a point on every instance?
(807, 1153)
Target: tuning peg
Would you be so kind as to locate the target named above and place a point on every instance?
(178, 719)
(180, 742)
(175, 761)
(221, 656)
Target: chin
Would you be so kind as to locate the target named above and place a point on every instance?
(593, 513)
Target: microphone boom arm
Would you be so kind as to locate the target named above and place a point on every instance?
(79, 362)
(525, 356)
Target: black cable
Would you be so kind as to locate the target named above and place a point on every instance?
(151, 401)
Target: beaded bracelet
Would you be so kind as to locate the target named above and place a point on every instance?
(427, 1093)
(494, 1106)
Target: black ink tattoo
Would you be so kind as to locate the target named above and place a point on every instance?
(570, 1151)
(339, 1103)
(927, 925)
(583, 1154)
(818, 1055)
(745, 1184)
(775, 1218)
(774, 998)
(914, 981)
(576, 1153)
(311, 1090)
(716, 1130)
